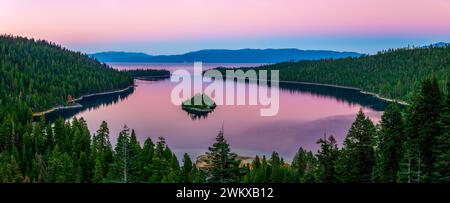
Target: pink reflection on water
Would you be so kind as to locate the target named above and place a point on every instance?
(302, 119)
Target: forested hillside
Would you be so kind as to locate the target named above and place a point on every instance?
(410, 146)
(39, 74)
(391, 73)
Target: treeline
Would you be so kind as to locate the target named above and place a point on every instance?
(39, 75)
(147, 73)
(408, 146)
(392, 73)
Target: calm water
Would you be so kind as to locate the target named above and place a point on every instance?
(306, 113)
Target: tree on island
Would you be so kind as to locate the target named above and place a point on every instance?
(224, 166)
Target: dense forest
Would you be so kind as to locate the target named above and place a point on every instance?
(40, 75)
(407, 146)
(392, 73)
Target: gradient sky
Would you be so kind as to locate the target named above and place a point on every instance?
(177, 26)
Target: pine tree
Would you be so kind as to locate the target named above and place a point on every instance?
(16, 175)
(59, 130)
(101, 139)
(41, 171)
(199, 176)
(82, 137)
(358, 154)
(442, 147)
(49, 140)
(134, 159)
(121, 156)
(300, 164)
(68, 168)
(86, 163)
(146, 159)
(187, 169)
(160, 163)
(55, 167)
(224, 168)
(98, 171)
(411, 163)
(390, 144)
(38, 137)
(101, 153)
(174, 169)
(430, 128)
(276, 175)
(423, 127)
(6, 133)
(304, 164)
(328, 156)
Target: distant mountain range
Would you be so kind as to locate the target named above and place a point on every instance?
(439, 44)
(226, 56)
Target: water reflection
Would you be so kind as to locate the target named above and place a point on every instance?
(306, 113)
(195, 115)
(350, 96)
(88, 104)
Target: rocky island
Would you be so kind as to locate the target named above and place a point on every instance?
(206, 106)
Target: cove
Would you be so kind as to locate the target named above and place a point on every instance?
(306, 113)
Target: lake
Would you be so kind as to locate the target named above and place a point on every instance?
(306, 113)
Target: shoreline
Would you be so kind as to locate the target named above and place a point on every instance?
(77, 105)
(152, 77)
(349, 87)
(197, 109)
(401, 102)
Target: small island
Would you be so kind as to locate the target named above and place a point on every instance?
(207, 105)
(148, 74)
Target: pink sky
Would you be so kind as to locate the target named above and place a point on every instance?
(103, 21)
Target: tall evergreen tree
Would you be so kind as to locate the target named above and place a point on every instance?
(99, 176)
(55, 167)
(16, 175)
(101, 139)
(358, 154)
(276, 164)
(134, 159)
(390, 143)
(429, 112)
(300, 163)
(304, 165)
(6, 131)
(102, 153)
(224, 168)
(442, 147)
(59, 130)
(328, 156)
(160, 163)
(187, 170)
(121, 156)
(146, 159)
(423, 127)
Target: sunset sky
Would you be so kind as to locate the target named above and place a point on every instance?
(177, 26)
